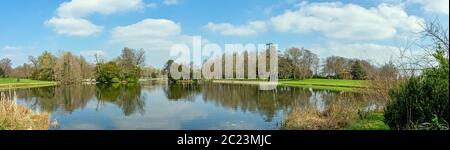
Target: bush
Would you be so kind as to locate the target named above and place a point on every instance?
(421, 100)
(115, 80)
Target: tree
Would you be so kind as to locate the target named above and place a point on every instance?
(130, 63)
(388, 71)
(5, 65)
(166, 70)
(68, 69)
(336, 66)
(44, 67)
(150, 72)
(2, 73)
(297, 63)
(107, 72)
(368, 68)
(357, 71)
(23, 71)
(87, 69)
(421, 102)
(285, 67)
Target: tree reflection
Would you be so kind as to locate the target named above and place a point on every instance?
(249, 98)
(127, 97)
(131, 98)
(51, 99)
(68, 98)
(175, 92)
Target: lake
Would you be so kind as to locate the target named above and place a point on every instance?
(172, 107)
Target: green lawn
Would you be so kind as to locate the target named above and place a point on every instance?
(327, 84)
(321, 84)
(375, 121)
(13, 83)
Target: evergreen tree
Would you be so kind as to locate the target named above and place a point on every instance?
(357, 71)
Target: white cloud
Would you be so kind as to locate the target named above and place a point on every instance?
(84, 8)
(250, 29)
(71, 16)
(156, 36)
(11, 48)
(434, 6)
(148, 32)
(151, 34)
(73, 26)
(171, 2)
(347, 21)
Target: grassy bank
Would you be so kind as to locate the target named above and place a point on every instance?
(13, 83)
(322, 84)
(335, 117)
(326, 84)
(374, 121)
(16, 117)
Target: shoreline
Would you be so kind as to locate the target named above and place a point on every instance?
(304, 84)
(28, 84)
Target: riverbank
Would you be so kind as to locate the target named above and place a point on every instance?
(16, 117)
(373, 121)
(320, 84)
(13, 83)
(327, 84)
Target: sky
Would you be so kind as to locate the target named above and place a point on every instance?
(364, 29)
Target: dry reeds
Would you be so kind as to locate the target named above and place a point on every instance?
(16, 117)
(335, 116)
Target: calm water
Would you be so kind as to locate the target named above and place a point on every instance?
(160, 106)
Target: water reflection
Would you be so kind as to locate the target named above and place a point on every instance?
(71, 98)
(197, 106)
(127, 97)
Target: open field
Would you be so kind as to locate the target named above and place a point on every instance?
(13, 83)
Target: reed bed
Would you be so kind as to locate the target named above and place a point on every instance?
(17, 117)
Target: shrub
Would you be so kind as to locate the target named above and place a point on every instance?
(421, 100)
(115, 80)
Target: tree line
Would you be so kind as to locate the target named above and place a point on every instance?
(68, 68)
(293, 63)
(300, 63)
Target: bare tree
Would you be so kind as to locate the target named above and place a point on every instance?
(5, 65)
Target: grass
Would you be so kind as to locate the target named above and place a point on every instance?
(16, 117)
(374, 121)
(321, 84)
(318, 87)
(13, 83)
(327, 84)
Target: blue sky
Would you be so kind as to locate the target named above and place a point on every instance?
(357, 29)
